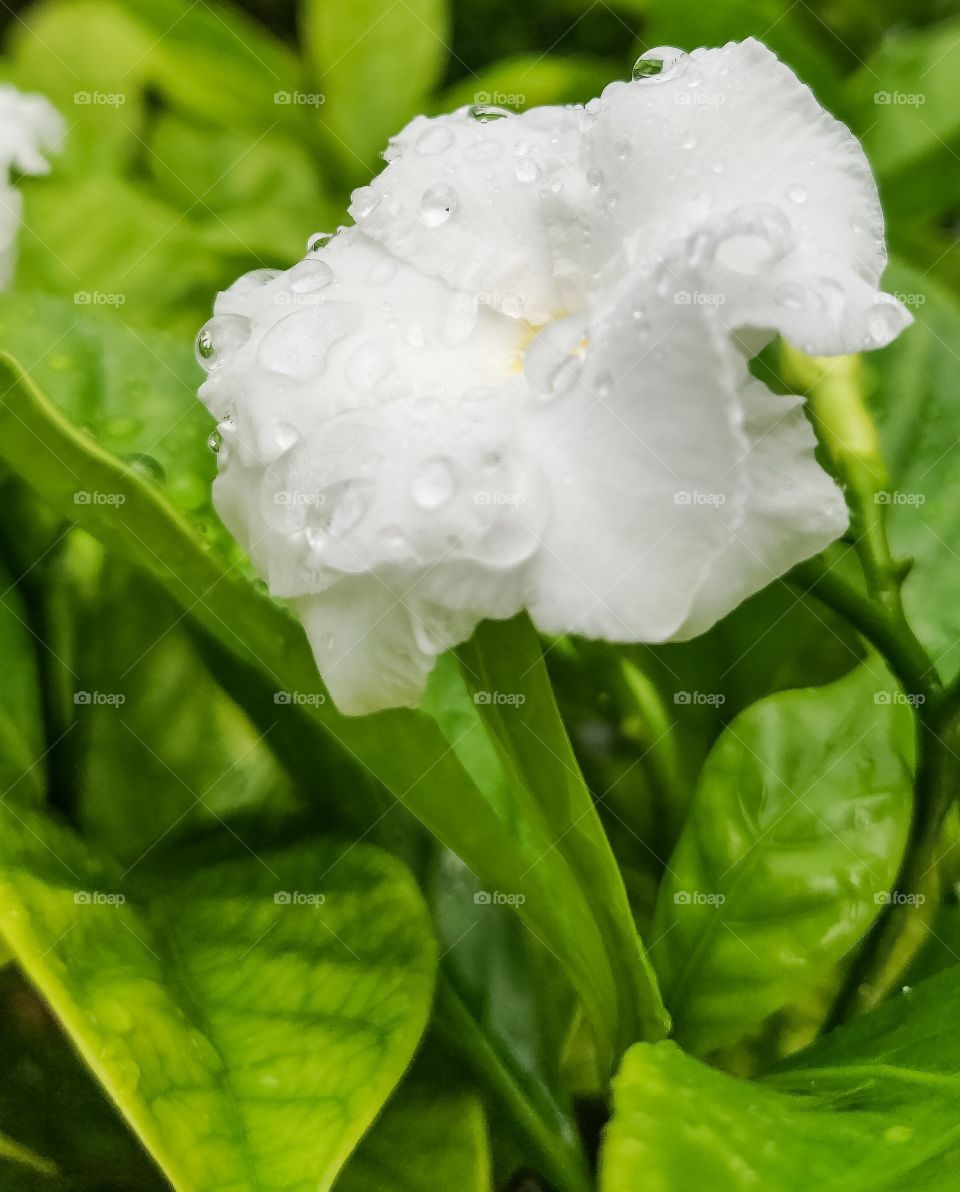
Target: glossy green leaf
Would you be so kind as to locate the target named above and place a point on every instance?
(249, 1012)
(869, 1109)
(432, 1134)
(792, 841)
(373, 61)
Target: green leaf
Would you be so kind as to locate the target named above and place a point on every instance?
(913, 387)
(871, 1108)
(248, 1012)
(431, 1135)
(374, 62)
(793, 838)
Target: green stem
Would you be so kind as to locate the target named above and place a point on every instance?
(543, 1127)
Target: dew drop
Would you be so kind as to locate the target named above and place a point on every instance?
(527, 170)
(797, 193)
(285, 435)
(310, 276)
(595, 178)
(215, 440)
(253, 280)
(434, 140)
(363, 202)
(622, 149)
(486, 112)
(437, 204)
(219, 338)
(319, 240)
(433, 483)
(658, 62)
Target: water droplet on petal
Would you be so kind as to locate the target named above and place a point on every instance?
(433, 483)
(319, 240)
(309, 276)
(215, 440)
(437, 204)
(595, 177)
(219, 338)
(622, 149)
(434, 140)
(797, 193)
(363, 202)
(297, 345)
(486, 112)
(253, 280)
(657, 63)
(527, 170)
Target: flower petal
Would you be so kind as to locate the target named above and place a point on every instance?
(347, 328)
(487, 204)
(732, 130)
(661, 474)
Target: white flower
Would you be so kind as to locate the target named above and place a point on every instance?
(29, 127)
(520, 381)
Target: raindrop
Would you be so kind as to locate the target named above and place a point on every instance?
(656, 63)
(319, 240)
(527, 170)
(797, 193)
(433, 483)
(253, 280)
(215, 440)
(622, 149)
(437, 204)
(595, 177)
(363, 202)
(219, 338)
(310, 276)
(285, 435)
(486, 112)
(434, 140)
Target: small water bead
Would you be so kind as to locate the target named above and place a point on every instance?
(393, 152)
(310, 276)
(622, 149)
(595, 178)
(297, 345)
(797, 193)
(527, 170)
(433, 483)
(487, 112)
(147, 466)
(657, 63)
(434, 140)
(689, 140)
(253, 280)
(363, 202)
(219, 338)
(437, 204)
(215, 440)
(594, 106)
(603, 385)
(319, 240)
